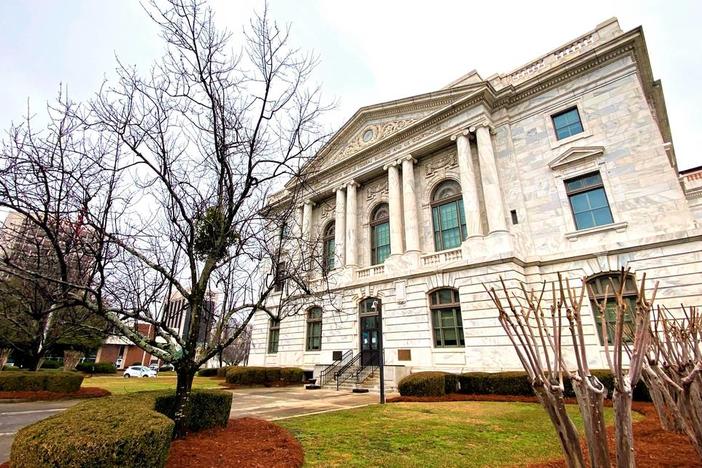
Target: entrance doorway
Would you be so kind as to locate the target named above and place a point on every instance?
(370, 316)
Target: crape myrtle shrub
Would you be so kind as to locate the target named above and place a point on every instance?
(109, 432)
(207, 408)
(117, 431)
(23, 381)
(264, 375)
(428, 384)
(97, 368)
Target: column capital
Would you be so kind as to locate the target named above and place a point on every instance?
(351, 183)
(309, 202)
(340, 188)
(408, 157)
(391, 164)
(465, 132)
(483, 124)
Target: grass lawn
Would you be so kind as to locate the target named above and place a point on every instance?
(430, 434)
(118, 385)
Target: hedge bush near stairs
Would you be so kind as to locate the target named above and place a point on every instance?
(252, 375)
(118, 431)
(21, 381)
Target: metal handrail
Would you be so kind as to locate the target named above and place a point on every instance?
(347, 371)
(329, 371)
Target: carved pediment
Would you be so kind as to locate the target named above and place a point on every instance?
(576, 154)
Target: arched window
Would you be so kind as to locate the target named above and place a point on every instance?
(446, 320)
(314, 329)
(380, 234)
(596, 289)
(329, 247)
(448, 217)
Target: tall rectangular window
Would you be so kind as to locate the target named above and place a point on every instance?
(273, 336)
(567, 123)
(314, 329)
(446, 319)
(279, 278)
(588, 201)
(602, 286)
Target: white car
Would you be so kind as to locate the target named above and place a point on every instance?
(138, 371)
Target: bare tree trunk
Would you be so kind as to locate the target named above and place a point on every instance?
(184, 385)
(4, 356)
(668, 411)
(691, 406)
(591, 405)
(623, 432)
(71, 359)
(567, 433)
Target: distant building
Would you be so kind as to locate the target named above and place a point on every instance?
(177, 316)
(565, 164)
(121, 352)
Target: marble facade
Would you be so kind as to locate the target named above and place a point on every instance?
(495, 137)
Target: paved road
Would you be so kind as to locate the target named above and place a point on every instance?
(14, 416)
(286, 402)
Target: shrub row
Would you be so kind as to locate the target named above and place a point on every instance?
(127, 430)
(97, 367)
(23, 381)
(264, 375)
(428, 384)
(207, 409)
(499, 383)
(208, 372)
(51, 364)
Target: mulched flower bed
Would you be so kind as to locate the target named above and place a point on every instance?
(654, 446)
(84, 392)
(245, 442)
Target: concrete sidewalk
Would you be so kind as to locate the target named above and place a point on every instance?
(286, 402)
(14, 416)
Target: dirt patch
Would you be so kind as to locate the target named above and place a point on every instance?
(84, 392)
(245, 442)
(654, 446)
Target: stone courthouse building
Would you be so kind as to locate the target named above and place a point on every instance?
(565, 164)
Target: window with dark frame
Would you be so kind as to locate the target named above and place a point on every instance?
(380, 234)
(279, 278)
(446, 319)
(567, 123)
(328, 247)
(596, 290)
(448, 216)
(314, 329)
(588, 201)
(273, 336)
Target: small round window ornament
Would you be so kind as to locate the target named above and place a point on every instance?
(367, 135)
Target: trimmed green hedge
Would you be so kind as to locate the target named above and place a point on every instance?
(428, 384)
(263, 375)
(222, 371)
(207, 408)
(517, 383)
(23, 381)
(208, 372)
(125, 430)
(97, 368)
(51, 364)
(109, 432)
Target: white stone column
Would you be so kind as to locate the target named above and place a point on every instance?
(409, 201)
(396, 241)
(469, 186)
(351, 223)
(340, 227)
(307, 221)
(491, 184)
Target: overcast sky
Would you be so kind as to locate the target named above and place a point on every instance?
(370, 51)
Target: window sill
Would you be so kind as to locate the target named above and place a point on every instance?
(448, 349)
(558, 143)
(575, 235)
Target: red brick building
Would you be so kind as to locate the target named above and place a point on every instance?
(123, 353)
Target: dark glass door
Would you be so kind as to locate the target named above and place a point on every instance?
(370, 340)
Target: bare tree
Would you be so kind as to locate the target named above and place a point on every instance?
(185, 161)
(537, 339)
